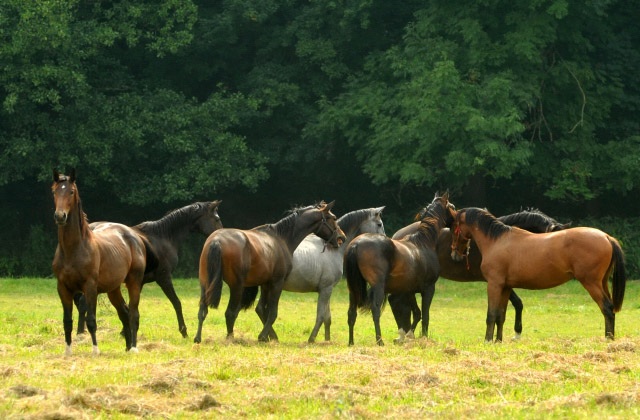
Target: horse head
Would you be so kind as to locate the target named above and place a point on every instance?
(65, 195)
(208, 221)
(461, 238)
(327, 226)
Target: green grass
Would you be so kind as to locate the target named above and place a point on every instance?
(562, 367)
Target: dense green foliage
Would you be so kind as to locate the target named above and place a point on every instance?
(269, 104)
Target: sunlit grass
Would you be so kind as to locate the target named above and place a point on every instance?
(561, 368)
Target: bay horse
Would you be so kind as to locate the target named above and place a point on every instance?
(408, 265)
(468, 270)
(261, 257)
(94, 262)
(165, 237)
(515, 258)
(318, 268)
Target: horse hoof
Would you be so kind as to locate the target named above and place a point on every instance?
(67, 351)
(197, 339)
(380, 342)
(517, 336)
(133, 350)
(410, 335)
(96, 350)
(398, 341)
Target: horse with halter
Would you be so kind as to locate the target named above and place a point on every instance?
(318, 268)
(467, 269)
(261, 257)
(515, 258)
(406, 266)
(165, 237)
(96, 261)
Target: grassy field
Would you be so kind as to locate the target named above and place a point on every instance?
(561, 368)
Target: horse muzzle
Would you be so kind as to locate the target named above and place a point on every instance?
(60, 217)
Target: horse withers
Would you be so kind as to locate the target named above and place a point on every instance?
(261, 257)
(94, 262)
(516, 258)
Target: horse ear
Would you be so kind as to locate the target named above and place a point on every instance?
(72, 175)
(378, 211)
(215, 204)
(565, 225)
(445, 196)
(327, 208)
(56, 175)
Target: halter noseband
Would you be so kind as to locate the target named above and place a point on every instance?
(458, 233)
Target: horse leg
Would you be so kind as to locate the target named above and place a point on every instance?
(494, 297)
(67, 316)
(134, 287)
(518, 306)
(327, 319)
(417, 315)
(504, 300)
(376, 309)
(202, 315)
(166, 285)
(116, 299)
(273, 290)
(401, 309)
(321, 310)
(604, 303)
(352, 314)
(91, 295)
(81, 305)
(233, 307)
(427, 297)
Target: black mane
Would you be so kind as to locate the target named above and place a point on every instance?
(173, 220)
(434, 218)
(532, 220)
(285, 224)
(485, 221)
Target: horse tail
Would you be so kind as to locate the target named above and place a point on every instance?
(152, 260)
(619, 275)
(248, 297)
(355, 280)
(214, 275)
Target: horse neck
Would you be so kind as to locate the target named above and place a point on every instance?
(174, 227)
(286, 229)
(74, 233)
(482, 240)
(351, 227)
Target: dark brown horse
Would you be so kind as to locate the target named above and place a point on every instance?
(515, 258)
(467, 270)
(406, 266)
(94, 262)
(165, 237)
(258, 257)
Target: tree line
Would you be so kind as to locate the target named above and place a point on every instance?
(269, 104)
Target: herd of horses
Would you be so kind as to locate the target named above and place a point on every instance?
(310, 249)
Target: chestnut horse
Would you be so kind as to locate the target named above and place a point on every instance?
(94, 262)
(406, 266)
(165, 236)
(261, 257)
(468, 270)
(515, 258)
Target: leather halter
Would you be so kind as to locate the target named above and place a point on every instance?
(458, 233)
(334, 235)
